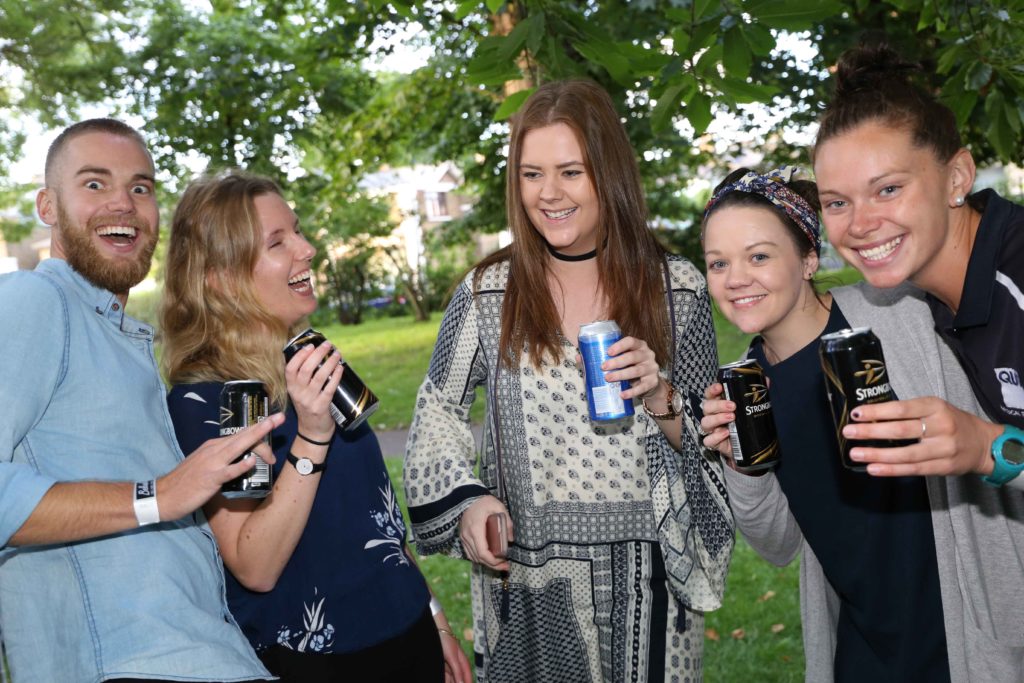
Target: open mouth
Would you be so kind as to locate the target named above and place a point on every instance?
(560, 214)
(301, 282)
(881, 251)
(118, 235)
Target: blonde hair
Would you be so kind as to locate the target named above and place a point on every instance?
(215, 328)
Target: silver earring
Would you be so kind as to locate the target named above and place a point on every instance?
(959, 201)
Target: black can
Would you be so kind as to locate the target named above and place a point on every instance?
(855, 375)
(244, 403)
(755, 444)
(353, 401)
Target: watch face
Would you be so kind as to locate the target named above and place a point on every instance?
(304, 466)
(1013, 451)
(677, 402)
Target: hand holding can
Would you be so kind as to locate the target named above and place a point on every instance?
(352, 401)
(604, 401)
(244, 403)
(752, 436)
(855, 375)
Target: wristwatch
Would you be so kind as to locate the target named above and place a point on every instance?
(675, 405)
(1008, 453)
(305, 466)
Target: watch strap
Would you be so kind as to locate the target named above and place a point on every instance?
(668, 414)
(1003, 470)
(314, 467)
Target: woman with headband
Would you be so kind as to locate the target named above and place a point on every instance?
(869, 580)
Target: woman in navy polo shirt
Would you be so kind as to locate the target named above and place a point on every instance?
(895, 187)
(320, 579)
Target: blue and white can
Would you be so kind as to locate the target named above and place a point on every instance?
(603, 399)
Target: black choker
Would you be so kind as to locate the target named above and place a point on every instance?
(565, 257)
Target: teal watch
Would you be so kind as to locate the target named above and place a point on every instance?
(1008, 453)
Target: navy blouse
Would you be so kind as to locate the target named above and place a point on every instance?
(349, 583)
(872, 535)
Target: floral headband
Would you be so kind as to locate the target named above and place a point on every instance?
(772, 187)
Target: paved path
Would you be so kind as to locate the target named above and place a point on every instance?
(392, 441)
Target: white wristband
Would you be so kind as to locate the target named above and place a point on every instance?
(146, 510)
(435, 606)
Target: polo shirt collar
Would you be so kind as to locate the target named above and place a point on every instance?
(976, 297)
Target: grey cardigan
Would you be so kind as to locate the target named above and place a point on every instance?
(979, 530)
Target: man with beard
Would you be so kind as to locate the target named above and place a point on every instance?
(107, 572)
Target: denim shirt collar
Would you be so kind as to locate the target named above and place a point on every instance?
(103, 301)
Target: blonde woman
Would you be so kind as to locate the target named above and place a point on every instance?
(319, 577)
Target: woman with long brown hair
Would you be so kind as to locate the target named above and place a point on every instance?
(621, 535)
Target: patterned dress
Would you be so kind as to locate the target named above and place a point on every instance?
(614, 529)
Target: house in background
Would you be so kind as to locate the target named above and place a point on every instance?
(424, 197)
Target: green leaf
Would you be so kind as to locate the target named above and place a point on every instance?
(758, 38)
(513, 43)
(742, 91)
(707, 65)
(512, 103)
(736, 57)
(536, 33)
(604, 53)
(978, 75)
(667, 107)
(466, 8)
(702, 8)
(961, 102)
(495, 5)
(793, 15)
(698, 111)
(487, 68)
(948, 58)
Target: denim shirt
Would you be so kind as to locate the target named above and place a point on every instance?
(81, 399)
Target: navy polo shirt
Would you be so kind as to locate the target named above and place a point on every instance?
(987, 332)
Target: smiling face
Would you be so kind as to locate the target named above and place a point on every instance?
(556, 190)
(755, 272)
(103, 211)
(886, 203)
(282, 277)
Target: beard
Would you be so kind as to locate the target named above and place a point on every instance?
(116, 275)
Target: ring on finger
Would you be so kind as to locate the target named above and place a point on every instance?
(924, 428)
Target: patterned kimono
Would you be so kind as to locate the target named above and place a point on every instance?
(614, 529)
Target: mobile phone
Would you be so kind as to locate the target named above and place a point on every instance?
(497, 534)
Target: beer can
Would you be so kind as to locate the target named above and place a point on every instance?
(603, 399)
(755, 444)
(353, 401)
(855, 375)
(244, 403)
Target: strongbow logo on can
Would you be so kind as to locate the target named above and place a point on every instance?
(855, 375)
(752, 436)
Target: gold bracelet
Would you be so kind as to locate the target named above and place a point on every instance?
(444, 630)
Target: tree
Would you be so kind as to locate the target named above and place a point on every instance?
(278, 86)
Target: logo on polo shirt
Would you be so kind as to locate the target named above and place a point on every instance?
(1013, 393)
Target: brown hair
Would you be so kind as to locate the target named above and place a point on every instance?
(215, 328)
(629, 257)
(873, 83)
(111, 126)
